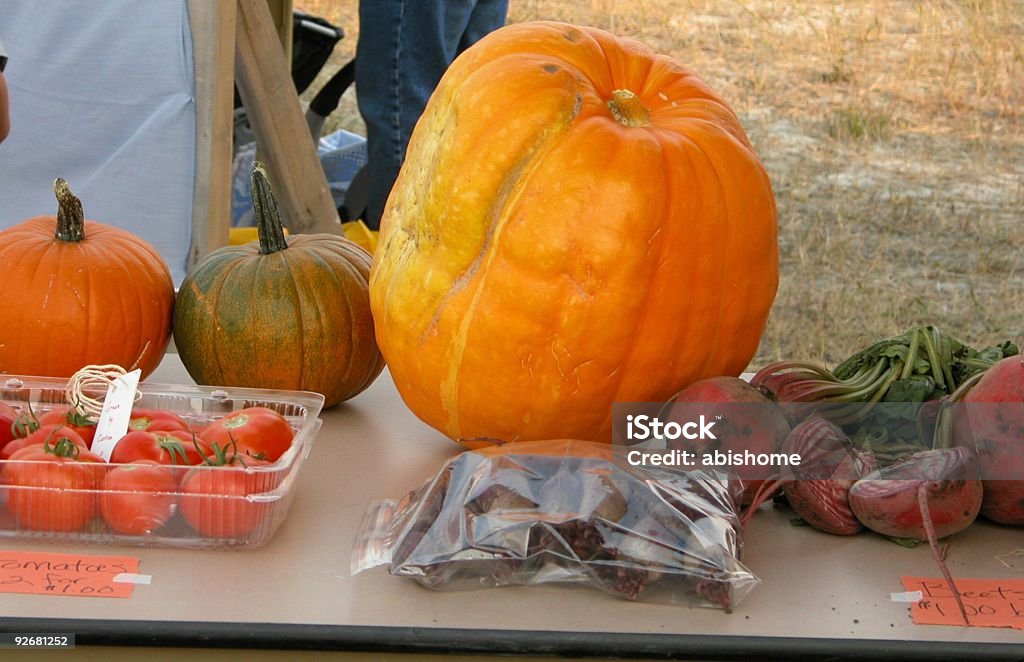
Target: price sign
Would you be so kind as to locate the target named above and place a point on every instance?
(68, 575)
(994, 603)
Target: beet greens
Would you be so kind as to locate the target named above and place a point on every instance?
(922, 365)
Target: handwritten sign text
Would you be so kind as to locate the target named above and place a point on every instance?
(995, 603)
(79, 575)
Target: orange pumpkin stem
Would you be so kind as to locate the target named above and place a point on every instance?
(628, 110)
(70, 219)
(264, 209)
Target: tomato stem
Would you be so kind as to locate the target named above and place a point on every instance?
(61, 447)
(25, 424)
(70, 218)
(218, 456)
(77, 416)
(221, 458)
(176, 450)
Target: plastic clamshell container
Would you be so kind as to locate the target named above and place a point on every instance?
(222, 517)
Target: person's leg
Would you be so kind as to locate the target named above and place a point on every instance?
(403, 50)
(328, 98)
(376, 74)
(486, 17)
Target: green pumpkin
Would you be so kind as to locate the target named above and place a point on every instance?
(288, 313)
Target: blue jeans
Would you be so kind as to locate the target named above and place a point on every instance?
(404, 48)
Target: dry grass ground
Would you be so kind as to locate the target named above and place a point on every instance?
(893, 132)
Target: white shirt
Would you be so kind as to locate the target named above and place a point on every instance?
(117, 123)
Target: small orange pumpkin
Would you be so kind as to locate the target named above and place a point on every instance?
(77, 292)
(579, 221)
(280, 312)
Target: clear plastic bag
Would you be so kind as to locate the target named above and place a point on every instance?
(341, 155)
(564, 511)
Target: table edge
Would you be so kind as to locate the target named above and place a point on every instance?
(407, 639)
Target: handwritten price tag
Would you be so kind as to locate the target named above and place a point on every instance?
(993, 603)
(77, 575)
(116, 414)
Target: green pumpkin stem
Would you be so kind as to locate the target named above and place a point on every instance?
(70, 219)
(264, 209)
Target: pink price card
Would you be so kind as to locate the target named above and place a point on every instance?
(78, 575)
(991, 603)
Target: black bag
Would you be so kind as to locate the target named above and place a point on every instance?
(313, 41)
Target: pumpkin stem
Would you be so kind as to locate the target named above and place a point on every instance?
(70, 219)
(264, 209)
(628, 110)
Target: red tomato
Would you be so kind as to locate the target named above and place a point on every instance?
(255, 431)
(8, 415)
(213, 498)
(54, 488)
(49, 434)
(71, 417)
(138, 498)
(156, 420)
(172, 447)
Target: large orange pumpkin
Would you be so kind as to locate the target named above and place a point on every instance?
(75, 292)
(578, 222)
(281, 312)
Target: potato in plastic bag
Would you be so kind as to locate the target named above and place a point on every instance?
(564, 511)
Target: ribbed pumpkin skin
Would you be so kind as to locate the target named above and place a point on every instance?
(63, 304)
(294, 319)
(539, 260)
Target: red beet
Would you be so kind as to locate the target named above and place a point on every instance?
(745, 420)
(886, 500)
(989, 419)
(925, 496)
(830, 465)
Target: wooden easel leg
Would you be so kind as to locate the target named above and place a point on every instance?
(214, 64)
(282, 135)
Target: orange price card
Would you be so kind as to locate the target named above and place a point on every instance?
(79, 575)
(992, 603)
